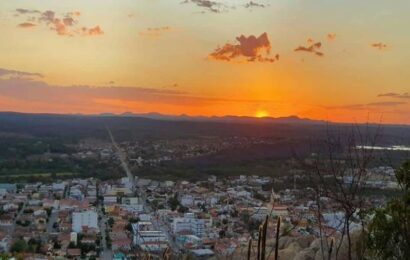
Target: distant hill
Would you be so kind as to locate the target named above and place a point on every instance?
(226, 119)
(129, 126)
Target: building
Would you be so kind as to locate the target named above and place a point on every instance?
(280, 211)
(73, 238)
(189, 224)
(260, 213)
(86, 219)
(149, 240)
(9, 187)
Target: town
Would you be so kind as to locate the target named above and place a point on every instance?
(130, 218)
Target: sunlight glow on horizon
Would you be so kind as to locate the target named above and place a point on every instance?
(261, 114)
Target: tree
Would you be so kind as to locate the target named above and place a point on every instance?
(111, 222)
(245, 216)
(338, 171)
(389, 231)
(19, 246)
(222, 233)
(49, 211)
(182, 209)
(173, 202)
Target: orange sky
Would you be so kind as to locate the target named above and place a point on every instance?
(343, 61)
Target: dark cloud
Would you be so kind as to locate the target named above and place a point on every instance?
(395, 95)
(250, 48)
(26, 11)
(17, 74)
(63, 25)
(211, 6)
(252, 4)
(26, 25)
(379, 45)
(313, 48)
(220, 6)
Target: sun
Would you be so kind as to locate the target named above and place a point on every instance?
(261, 114)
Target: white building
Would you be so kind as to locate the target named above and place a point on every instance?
(149, 240)
(187, 200)
(260, 213)
(87, 219)
(110, 200)
(131, 200)
(73, 238)
(189, 224)
(280, 211)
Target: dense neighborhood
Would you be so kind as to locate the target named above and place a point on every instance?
(125, 219)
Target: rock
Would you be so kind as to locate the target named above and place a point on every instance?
(306, 254)
(290, 252)
(305, 241)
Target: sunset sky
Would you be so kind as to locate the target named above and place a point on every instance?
(338, 60)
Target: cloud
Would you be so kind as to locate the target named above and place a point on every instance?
(386, 104)
(31, 94)
(211, 6)
(395, 95)
(250, 48)
(17, 74)
(313, 48)
(92, 31)
(26, 25)
(155, 31)
(64, 25)
(379, 45)
(331, 36)
(367, 106)
(252, 4)
(26, 11)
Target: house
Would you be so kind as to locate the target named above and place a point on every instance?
(86, 219)
(189, 241)
(4, 242)
(149, 240)
(260, 213)
(10, 207)
(9, 187)
(189, 223)
(108, 200)
(119, 256)
(202, 253)
(280, 211)
(73, 252)
(6, 220)
(130, 200)
(123, 244)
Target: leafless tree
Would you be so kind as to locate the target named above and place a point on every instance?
(338, 170)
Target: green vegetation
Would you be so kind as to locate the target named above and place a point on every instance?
(21, 246)
(389, 231)
(48, 171)
(193, 172)
(111, 222)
